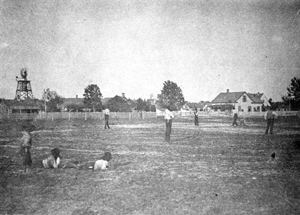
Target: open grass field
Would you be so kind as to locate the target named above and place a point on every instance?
(211, 169)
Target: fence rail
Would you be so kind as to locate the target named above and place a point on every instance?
(130, 115)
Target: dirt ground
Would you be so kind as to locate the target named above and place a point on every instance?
(212, 168)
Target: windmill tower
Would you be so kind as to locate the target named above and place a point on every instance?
(24, 90)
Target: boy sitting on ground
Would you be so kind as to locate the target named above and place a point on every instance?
(102, 164)
(53, 161)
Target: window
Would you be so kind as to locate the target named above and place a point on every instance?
(244, 98)
(249, 108)
(258, 108)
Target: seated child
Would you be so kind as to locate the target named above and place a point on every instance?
(26, 143)
(102, 164)
(54, 160)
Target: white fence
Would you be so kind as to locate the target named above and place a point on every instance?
(131, 115)
(77, 115)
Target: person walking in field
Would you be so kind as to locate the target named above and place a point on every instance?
(235, 118)
(106, 117)
(196, 117)
(26, 144)
(168, 119)
(270, 117)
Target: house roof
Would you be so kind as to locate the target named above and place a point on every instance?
(74, 101)
(105, 100)
(228, 97)
(22, 104)
(256, 97)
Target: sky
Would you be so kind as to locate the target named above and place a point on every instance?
(134, 46)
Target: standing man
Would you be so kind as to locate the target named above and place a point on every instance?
(196, 117)
(168, 118)
(270, 117)
(106, 117)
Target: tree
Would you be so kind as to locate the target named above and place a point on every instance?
(92, 97)
(171, 96)
(140, 104)
(118, 104)
(293, 94)
(52, 100)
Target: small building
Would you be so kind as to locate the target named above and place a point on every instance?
(72, 104)
(8, 106)
(241, 101)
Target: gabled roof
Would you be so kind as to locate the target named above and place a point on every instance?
(228, 97)
(256, 97)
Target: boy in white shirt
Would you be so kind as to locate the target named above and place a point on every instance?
(102, 164)
(53, 161)
(106, 117)
(168, 119)
(26, 143)
(270, 117)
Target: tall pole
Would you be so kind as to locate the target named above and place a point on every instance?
(45, 106)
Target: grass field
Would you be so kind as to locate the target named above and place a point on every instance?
(211, 169)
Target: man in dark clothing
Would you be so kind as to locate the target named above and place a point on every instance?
(235, 117)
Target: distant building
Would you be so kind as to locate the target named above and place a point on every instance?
(199, 105)
(8, 106)
(241, 101)
(72, 104)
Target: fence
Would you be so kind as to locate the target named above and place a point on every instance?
(76, 115)
(131, 115)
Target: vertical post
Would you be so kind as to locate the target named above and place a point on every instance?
(84, 115)
(69, 116)
(45, 106)
(52, 116)
(129, 115)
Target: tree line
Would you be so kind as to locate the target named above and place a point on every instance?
(171, 97)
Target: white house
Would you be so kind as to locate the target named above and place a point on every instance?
(241, 101)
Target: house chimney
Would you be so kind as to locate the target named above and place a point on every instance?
(227, 90)
(76, 96)
(123, 95)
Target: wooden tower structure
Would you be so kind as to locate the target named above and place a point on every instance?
(24, 90)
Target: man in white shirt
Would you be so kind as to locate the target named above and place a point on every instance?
(106, 117)
(270, 117)
(168, 118)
